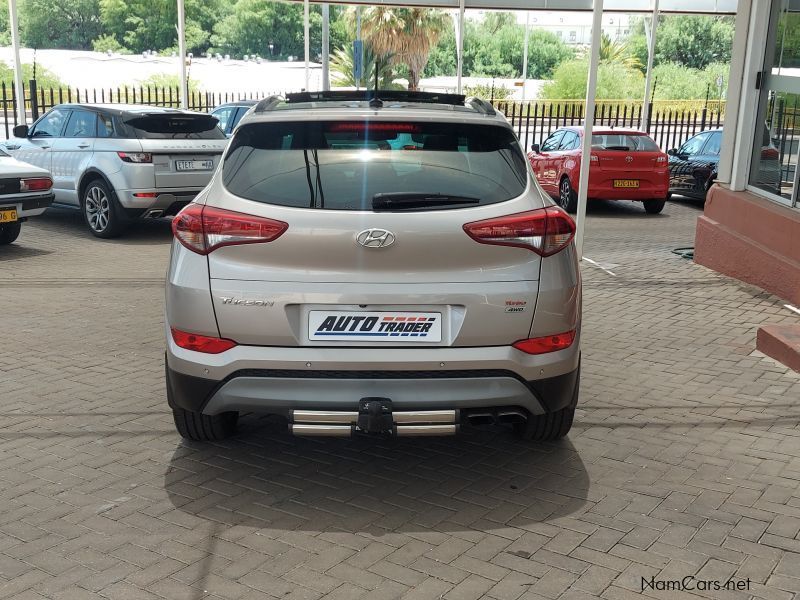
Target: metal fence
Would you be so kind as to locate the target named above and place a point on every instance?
(670, 123)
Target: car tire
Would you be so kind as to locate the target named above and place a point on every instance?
(204, 428)
(567, 197)
(653, 207)
(9, 233)
(101, 212)
(547, 427)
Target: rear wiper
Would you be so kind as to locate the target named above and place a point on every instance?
(405, 200)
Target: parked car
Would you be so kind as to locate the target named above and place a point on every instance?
(24, 192)
(119, 162)
(625, 165)
(693, 166)
(358, 284)
(231, 113)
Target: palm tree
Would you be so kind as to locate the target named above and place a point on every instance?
(616, 52)
(343, 70)
(403, 36)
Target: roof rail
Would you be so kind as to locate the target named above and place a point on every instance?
(268, 103)
(369, 95)
(481, 105)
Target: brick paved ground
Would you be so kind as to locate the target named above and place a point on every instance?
(685, 458)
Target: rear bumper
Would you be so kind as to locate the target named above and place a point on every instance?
(281, 392)
(166, 202)
(413, 379)
(28, 206)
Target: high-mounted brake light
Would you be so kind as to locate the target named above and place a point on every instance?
(35, 184)
(135, 157)
(201, 343)
(203, 229)
(548, 343)
(367, 126)
(546, 231)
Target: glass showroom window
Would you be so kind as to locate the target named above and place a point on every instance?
(776, 144)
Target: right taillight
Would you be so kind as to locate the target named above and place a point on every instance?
(135, 157)
(545, 230)
(35, 184)
(203, 229)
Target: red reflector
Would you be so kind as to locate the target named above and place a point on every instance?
(35, 184)
(548, 343)
(201, 343)
(544, 230)
(360, 126)
(203, 229)
(145, 195)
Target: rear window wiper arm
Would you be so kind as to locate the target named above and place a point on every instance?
(405, 200)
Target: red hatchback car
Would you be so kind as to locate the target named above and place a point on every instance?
(626, 165)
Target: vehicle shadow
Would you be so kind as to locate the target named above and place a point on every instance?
(484, 480)
(621, 208)
(139, 232)
(18, 250)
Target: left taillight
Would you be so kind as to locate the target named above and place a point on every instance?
(546, 344)
(546, 231)
(35, 184)
(201, 343)
(203, 229)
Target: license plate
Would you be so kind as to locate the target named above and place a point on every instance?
(383, 326)
(194, 165)
(8, 215)
(626, 183)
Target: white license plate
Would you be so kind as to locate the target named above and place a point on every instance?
(194, 165)
(383, 326)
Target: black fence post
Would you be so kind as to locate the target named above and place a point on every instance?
(5, 108)
(33, 99)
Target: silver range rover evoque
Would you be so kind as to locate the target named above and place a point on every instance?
(379, 265)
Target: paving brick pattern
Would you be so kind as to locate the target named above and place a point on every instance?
(684, 460)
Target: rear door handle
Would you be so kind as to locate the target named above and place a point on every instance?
(83, 145)
(12, 146)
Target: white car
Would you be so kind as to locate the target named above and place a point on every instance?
(25, 191)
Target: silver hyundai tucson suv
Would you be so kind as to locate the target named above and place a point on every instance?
(380, 265)
(118, 162)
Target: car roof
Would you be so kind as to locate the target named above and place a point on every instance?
(132, 109)
(400, 105)
(237, 103)
(606, 130)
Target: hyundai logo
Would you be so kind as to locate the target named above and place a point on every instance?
(375, 238)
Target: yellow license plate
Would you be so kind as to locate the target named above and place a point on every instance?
(8, 215)
(626, 183)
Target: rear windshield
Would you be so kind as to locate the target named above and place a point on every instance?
(177, 127)
(624, 142)
(358, 165)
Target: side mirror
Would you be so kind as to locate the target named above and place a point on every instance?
(672, 152)
(21, 131)
(535, 148)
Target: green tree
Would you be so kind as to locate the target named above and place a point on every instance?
(614, 82)
(71, 24)
(343, 70)
(404, 36)
(691, 40)
(494, 48)
(617, 52)
(150, 24)
(44, 79)
(252, 25)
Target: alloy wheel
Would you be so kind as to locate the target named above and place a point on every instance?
(565, 193)
(97, 209)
